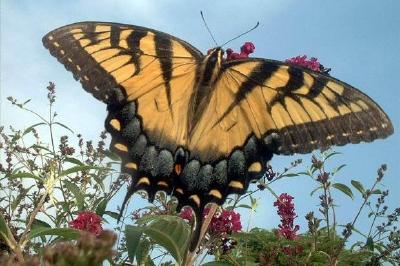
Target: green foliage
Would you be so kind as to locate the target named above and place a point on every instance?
(45, 182)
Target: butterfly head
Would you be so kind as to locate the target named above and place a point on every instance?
(212, 65)
(215, 55)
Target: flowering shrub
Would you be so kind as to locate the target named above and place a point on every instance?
(287, 214)
(54, 202)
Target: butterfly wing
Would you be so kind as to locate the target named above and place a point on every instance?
(266, 106)
(308, 110)
(146, 77)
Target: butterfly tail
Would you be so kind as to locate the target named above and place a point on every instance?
(195, 238)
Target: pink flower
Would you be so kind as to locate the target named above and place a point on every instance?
(246, 49)
(87, 221)
(287, 214)
(186, 214)
(311, 63)
(224, 222)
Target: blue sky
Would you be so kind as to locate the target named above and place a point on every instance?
(358, 39)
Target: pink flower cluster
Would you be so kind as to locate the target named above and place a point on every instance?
(246, 49)
(287, 214)
(311, 63)
(223, 222)
(87, 221)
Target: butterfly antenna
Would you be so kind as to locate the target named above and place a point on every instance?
(208, 29)
(258, 23)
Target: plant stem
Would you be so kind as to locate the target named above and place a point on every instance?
(32, 217)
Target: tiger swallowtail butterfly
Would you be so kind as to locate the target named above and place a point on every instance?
(197, 126)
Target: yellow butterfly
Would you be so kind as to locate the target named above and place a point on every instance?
(199, 127)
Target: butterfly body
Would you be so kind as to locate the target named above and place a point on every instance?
(197, 126)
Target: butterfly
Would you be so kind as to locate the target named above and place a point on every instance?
(200, 127)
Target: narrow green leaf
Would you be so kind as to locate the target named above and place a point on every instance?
(336, 170)
(25, 175)
(101, 207)
(29, 129)
(358, 186)
(17, 200)
(74, 189)
(132, 236)
(99, 181)
(39, 147)
(315, 190)
(67, 233)
(112, 214)
(331, 154)
(80, 168)
(376, 191)
(39, 223)
(343, 188)
(244, 206)
(290, 175)
(4, 229)
(111, 155)
(64, 126)
(73, 160)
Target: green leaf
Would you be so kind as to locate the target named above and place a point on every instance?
(331, 154)
(73, 160)
(370, 243)
(67, 233)
(358, 186)
(315, 190)
(35, 146)
(4, 229)
(80, 168)
(343, 188)
(38, 223)
(64, 126)
(376, 191)
(79, 197)
(142, 252)
(17, 200)
(172, 234)
(336, 170)
(29, 129)
(111, 155)
(218, 263)
(132, 236)
(112, 214)
(25, 175)
(99, 181)
(290, 175)
(101, 207)
(151, 218)
(244, 206)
